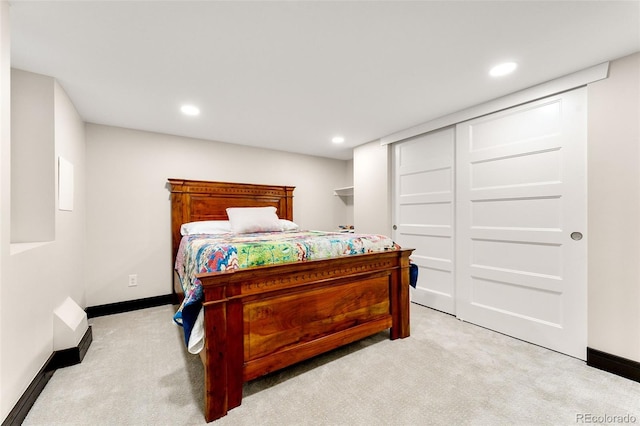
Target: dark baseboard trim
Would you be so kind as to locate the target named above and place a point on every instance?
(58, 359)
(28, 398)
(71, 356)
(614, 364)
(129, 305)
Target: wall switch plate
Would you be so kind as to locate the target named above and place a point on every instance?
(133, 280)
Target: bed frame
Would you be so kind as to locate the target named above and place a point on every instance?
(262, 319)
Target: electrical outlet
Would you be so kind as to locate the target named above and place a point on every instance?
(133, 280)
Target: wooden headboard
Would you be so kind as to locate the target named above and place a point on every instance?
(193, 200)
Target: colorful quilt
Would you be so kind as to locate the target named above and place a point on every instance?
(211, 253)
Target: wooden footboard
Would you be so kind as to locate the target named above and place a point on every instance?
(259, 320)
(262, 319)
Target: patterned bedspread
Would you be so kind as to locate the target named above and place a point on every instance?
(212, 253)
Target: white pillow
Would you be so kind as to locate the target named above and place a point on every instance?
(287, 225)
(206, 227)
(253, 219)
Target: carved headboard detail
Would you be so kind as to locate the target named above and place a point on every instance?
(193, 200)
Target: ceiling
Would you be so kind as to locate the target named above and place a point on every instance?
(291, 75)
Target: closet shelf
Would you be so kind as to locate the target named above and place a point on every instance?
(343, 192)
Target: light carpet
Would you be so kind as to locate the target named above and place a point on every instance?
(137, 372)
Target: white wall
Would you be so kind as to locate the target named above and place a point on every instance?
(34, 282)
(371, 181)
(614, 210)
(6, 397)
(32, 194)
(128, 210)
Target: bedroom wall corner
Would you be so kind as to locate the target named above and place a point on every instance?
(614, 210)
(128, 211)
(52, 270)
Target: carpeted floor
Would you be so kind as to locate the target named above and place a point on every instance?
(448, 372)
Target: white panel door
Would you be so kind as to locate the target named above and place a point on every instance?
(521, 196)
(424, 213)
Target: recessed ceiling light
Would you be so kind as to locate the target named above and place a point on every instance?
(337, 139)
(190, 110)
(503, 69)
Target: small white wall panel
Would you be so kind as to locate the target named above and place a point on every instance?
(432, 247)
(65, 184)
(540, 213)
(433, 213)
(426, 182)
(545, 259)
(532, 168)
(539, 306)
(542, 121)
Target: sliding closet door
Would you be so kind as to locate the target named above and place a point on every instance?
(521, 222)
(423, 213)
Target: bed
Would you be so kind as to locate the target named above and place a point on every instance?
(258, 320)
